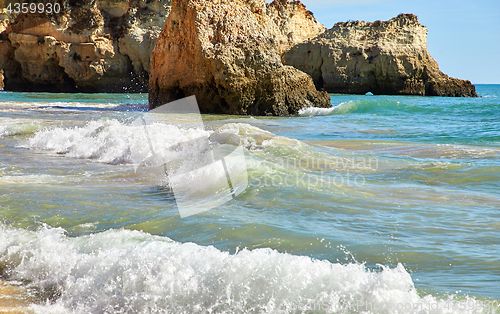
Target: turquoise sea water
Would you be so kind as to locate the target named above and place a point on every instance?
(382, 204)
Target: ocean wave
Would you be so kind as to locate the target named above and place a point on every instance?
(114, 142)
(360, 106)
(72, 106)
(108, 141)
(124, 271)
(12, 127)
(315, 111)
(30, 179)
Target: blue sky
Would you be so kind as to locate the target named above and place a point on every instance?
(463, 36)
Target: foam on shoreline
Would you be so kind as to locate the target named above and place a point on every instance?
(135, 272)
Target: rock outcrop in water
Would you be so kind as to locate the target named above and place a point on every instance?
(90, 46)
(227, 54)
(389, 57)
(106, 46)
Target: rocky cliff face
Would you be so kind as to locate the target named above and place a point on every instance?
(294, 23)
(106, 46)
(388, 57)
(226, 53)
(90, 46)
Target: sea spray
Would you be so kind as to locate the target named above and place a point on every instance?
(107, 141)
(135, 272)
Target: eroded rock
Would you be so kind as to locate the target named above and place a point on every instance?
(388, 57)
(91, 46)
(226, 53)
(295, 24)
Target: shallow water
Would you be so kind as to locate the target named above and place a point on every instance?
(383, 204)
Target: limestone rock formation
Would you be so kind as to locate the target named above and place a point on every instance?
(389, 57)
(226, 54)
(294, 23)
(90, 46)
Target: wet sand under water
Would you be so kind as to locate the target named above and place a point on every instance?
(14, 299)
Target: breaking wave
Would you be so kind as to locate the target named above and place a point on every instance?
(124, 271)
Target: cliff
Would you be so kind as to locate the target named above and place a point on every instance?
(294, 23)
(106, 46)
(90, 46)
(226, 53)
(389, 57)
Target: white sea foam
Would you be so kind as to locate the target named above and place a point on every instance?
(112, 141)
(342, 108)
(122, 271)
(11, 127)
(59, 105)
(251, 137)
(108, 141)
(315, 111)
(31, 179)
